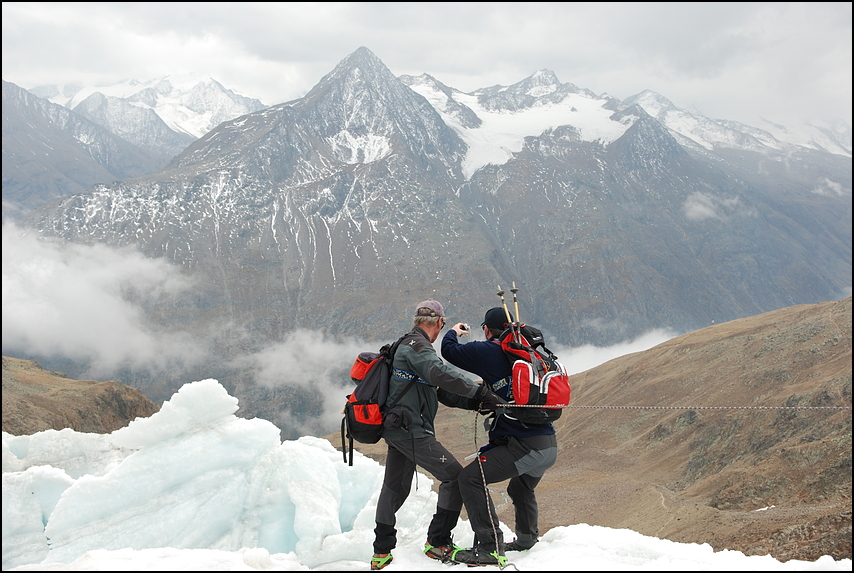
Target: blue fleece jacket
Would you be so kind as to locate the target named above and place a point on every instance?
(485, 358)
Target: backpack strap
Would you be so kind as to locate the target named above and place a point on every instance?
(395, 372)
(343, 442)
(402, 394)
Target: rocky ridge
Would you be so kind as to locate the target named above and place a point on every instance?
(35, 400)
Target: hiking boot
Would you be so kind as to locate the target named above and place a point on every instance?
(380, 561)
(478, 558)
(514, 546)
(443, 553)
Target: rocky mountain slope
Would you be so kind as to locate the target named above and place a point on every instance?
(61, 140)
(700, 439)
(35, 400)
(50, 151)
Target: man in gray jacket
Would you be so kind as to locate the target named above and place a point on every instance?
(421, 380)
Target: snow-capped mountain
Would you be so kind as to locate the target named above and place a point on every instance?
(188, 104)
(696, 130)
(494, 122)
(343, 208)
(155, 121)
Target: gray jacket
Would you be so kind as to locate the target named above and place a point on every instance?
(436, 382)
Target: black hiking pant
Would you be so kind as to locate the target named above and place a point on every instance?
(521, 460)
(403, 455)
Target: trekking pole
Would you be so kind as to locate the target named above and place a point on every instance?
(514, 290)
(504, 304)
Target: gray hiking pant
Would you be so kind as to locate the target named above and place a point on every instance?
(403, 455)
(521, 460)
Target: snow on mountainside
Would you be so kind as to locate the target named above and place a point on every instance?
(187, 103)
(495, 121)
(50, 151)
(833, 138)
(711, 134)
(505, 116)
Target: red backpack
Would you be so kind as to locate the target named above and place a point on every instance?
(538, 378)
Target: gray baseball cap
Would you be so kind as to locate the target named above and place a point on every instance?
(429, 308)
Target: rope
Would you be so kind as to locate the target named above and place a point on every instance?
(716, 407)
(562, 406)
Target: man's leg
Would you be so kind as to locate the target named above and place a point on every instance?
(441, 464)
(542, 454)
(521, 492)
(397, 482)
(497, 464)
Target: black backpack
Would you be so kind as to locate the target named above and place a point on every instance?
(366, 413)
(538, 378)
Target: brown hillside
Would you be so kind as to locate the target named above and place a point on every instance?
(35, 400)
(707, 476)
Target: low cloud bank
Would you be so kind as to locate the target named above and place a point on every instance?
(583, 358)
(88, 303)
(91, 304)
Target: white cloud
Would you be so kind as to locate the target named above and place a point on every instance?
(313, 362)
(305, 358)
(87, 303)
(699, 207)
(583, 358)
(829, 188)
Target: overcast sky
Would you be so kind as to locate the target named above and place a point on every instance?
(782, 61)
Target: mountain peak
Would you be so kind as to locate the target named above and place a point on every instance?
(362, 59)
(544, 77)
(359, 74)
(653, 103)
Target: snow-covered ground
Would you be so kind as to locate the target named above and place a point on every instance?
(194, 487)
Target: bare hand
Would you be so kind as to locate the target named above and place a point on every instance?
(461, 328)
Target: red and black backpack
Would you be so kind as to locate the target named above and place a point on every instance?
(538, 379)
(366, 408)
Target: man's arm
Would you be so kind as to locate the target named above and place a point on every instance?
(429, 367)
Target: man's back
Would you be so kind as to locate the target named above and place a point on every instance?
(487, 360)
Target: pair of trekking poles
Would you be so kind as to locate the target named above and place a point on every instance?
(517, 336)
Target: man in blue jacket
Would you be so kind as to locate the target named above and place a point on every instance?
(519, 452)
